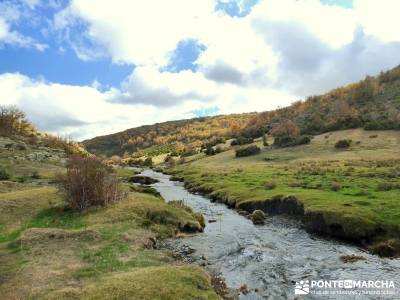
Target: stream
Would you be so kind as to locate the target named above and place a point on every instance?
(271, 258)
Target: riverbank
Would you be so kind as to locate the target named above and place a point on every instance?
(351, 195)
(265, 261)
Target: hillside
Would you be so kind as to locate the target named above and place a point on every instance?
(48, 251)
(168, 136)
(373, 103)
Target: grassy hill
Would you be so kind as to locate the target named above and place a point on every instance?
(373, 104)
(50, 252)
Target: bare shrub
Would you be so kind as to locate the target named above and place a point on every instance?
(57, 142)
(89, 183)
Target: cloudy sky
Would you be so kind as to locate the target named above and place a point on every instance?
(83, 68)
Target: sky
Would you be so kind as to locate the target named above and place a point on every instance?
(82, 68)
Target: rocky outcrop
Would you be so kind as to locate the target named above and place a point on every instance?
(145, 180)
(258, 217)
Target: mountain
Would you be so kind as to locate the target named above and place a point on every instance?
(373, 103)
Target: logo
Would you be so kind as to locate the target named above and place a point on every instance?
(345, 287)
(302, 288)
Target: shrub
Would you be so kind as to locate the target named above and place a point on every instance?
(4, 174)
(291, 141)
(342, 144)
(88, 183)
(270, 185)
(210, 151)
(250, 150)
(242, 141)
(285, 128)
(379, 125)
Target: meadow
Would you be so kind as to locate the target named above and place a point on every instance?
(356, 189)
(49, 252)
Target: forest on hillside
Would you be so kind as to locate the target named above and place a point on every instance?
(373, 104)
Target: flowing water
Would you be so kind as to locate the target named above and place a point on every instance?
(271, 258)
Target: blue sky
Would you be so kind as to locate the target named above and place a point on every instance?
(59, 63)
(84, 68)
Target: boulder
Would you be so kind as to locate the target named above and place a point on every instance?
(145, 180)
(258, 217)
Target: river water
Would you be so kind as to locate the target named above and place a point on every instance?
(271, 258)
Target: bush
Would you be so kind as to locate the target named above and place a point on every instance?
(250, 150)
(88, 183)
(253, 132)
(210, 151)
(242, 141)
(379, 125)
(342, 144)
(291, 141)
(4, 174)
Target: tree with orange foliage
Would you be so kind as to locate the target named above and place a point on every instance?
(286, 128)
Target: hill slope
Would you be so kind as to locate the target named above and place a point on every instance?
(373, 103)
(173, 133)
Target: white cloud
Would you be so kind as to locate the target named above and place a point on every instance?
(9, 15)
(82, 111)
(379, 18)
(281, 51)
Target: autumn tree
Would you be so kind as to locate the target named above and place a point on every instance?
(285, 128)
(13, 121)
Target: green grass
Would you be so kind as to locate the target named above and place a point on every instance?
(156, 283)
(309, 172)
(47, 252)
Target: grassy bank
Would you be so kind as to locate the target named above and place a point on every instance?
(47, 252)
(354, 192)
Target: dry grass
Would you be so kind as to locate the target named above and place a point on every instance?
(165, 283)
(51, 253)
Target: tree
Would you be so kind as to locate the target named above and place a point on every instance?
(13, 121)
(286, 128)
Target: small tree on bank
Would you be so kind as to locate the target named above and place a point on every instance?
(13, 121)
(89, 183)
